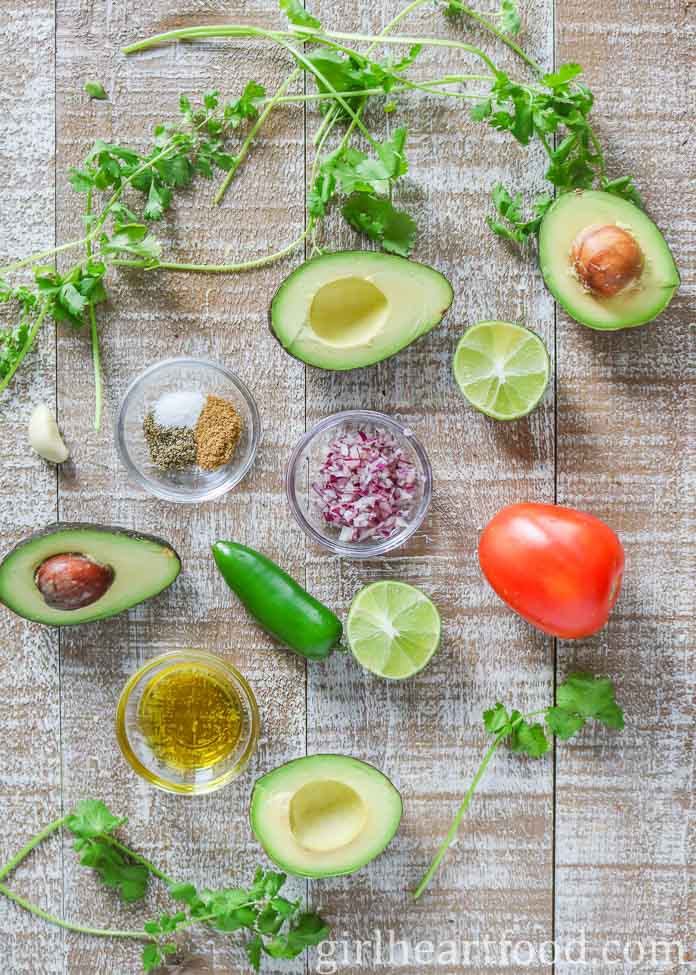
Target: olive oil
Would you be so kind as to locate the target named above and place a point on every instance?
(192, 719)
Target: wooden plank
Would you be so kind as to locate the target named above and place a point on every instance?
(627, 452)
(29, 669)
(150, 317)
(426, 734)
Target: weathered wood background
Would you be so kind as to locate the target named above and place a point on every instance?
(597, 843)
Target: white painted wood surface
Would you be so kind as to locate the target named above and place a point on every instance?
(600, 838)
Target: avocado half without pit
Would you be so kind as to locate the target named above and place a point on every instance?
(354, 308)
(74, 573)
(324, 815)
(605, 261)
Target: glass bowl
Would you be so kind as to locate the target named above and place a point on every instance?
(148, 759)
(305, 463)
(197, 375)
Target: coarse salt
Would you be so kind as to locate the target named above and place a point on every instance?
(180, 409)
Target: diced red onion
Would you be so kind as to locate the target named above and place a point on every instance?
(367, 485)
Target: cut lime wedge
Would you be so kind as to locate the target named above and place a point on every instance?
(502, 369)
(393, 629)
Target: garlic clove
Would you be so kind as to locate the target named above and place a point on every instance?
(44, 435)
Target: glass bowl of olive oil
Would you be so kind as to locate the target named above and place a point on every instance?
(188, 722)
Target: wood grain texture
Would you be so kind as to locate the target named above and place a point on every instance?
(29, 664)
(426, 733)
(624, 843)
(626, 819)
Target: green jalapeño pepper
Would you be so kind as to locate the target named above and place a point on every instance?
(277, 602)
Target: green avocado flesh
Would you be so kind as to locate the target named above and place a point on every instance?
(354, 308)
(142, 566)
(639, 302)
(324, 815)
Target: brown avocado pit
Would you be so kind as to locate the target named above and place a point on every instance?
(607, 259)
(72, 581)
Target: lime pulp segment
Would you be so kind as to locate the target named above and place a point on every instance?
(502, 369)
(393, 629)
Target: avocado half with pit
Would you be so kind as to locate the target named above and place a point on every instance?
(354, 308)
(604, 260)
(73, 573)
(324, 815)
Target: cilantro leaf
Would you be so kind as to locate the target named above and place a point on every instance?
(309, 929)
(132, 238)
(563, 724)
(14, 346)
(509, 17)
(590, 697)
(130, 880)
(625, 188)
(186, 893)
(157, 202)
(513, 225)
(151, 957)
(482, 111)
(496, 720)
(95, 90)
(528, 739)
(297, 14)
(562, 75)
(381, 221)
(80, 180)
(253, 952)
(92, 818)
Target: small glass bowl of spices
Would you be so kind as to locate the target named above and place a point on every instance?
(188, 722)
(187, 430)
(359, 483)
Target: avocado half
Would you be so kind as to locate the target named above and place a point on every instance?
(641, 254)
(324, 815)
(97, 570)
(352, 309)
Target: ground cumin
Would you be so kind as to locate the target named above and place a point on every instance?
(217, 433)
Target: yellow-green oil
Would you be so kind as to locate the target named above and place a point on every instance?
(192, 719)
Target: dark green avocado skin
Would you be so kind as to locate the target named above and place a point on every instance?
(77, 526)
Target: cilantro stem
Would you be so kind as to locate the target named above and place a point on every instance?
(326, 122)
(96, 363)
(410, 41)
(94, 334)
(405, 86)
(501, 35)
(305, 34)
(454, 828)
(71, 925)
(41, 255)
(27, 346)
(31, 845)
(219, 268)
(272, 102)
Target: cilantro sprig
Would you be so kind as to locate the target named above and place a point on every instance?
(269, 923)
(579, 699)
(196, 146)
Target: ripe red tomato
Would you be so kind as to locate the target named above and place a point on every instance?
(558, 568)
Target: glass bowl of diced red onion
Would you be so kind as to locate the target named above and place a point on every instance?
(359, 483)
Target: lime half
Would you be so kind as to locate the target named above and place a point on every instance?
(393, 629)
(502, 369)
